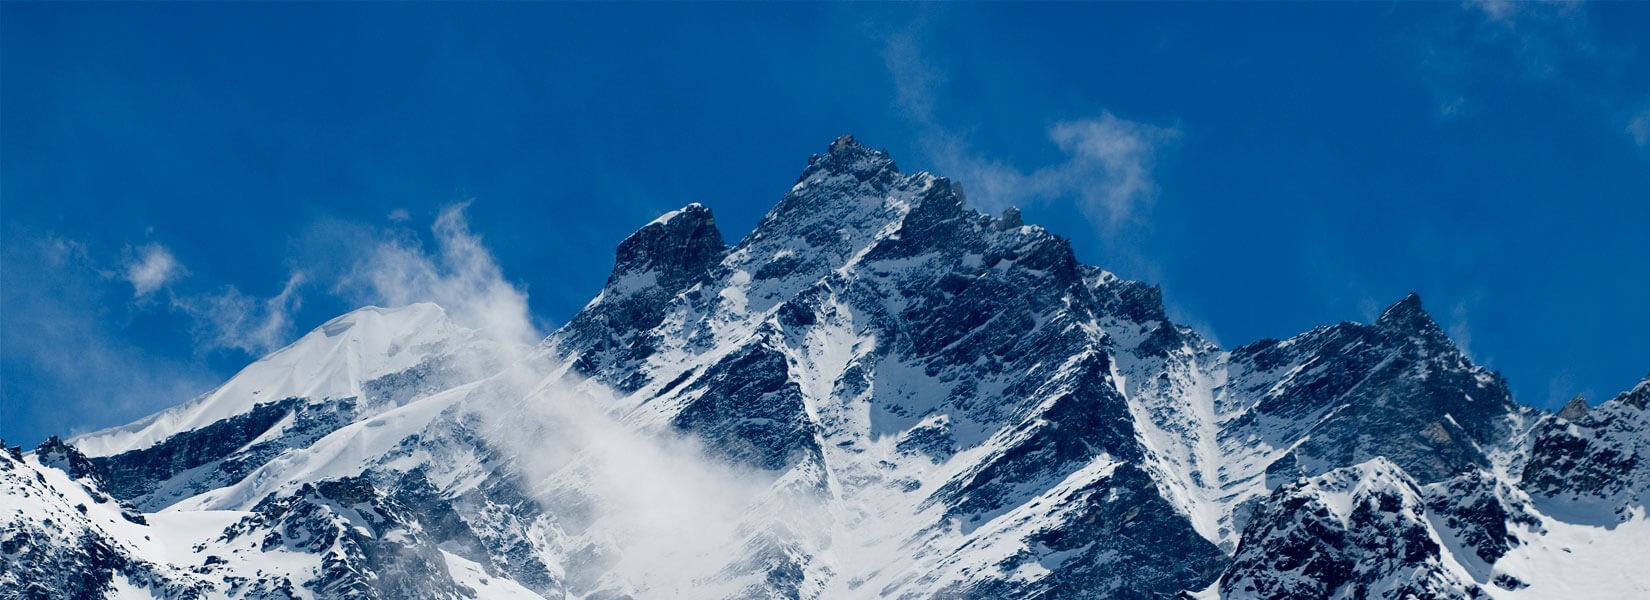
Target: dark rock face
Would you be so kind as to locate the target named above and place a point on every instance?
(57, 548)
(677, 250)
(1575, 409)
(85, 567)
(749, 410)
(1084, 423)
(1480, 511)
(371, 546)
(933, 439)
(1600, 459)
(847, 156)
(1116, 520)
(437, 516)
(139, 472)
(218, 454)
(56, 454)
(653, 265)
(1398, 389)
(1350, 533)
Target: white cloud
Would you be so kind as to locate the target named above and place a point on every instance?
(1460, 328)
(1108, 161)
(151, 268)
(1638, 128)
(1528, 42)
(460, 275)
(1542, 35)
(914, 81)
(663, 511)
(1500, 11)
(231, 319)
(364, 265)
(65, 327)
(1111, 162)
(66, 356)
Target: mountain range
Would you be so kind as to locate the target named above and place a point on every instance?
(876, 393)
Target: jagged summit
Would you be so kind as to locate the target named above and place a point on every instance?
(59, 455)
(847, 156)
(1638, 397)
(1011, 218)
(675, 249)
(1407, 314)
(1576, 408)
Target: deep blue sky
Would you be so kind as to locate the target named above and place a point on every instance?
(1294, 164)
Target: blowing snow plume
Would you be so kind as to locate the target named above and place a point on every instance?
(636, 511)
(461, 276)
(634, 507)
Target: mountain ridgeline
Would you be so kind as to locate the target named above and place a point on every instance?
(876, 393)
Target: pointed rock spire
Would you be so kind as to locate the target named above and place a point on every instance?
(659, 261)
(1011, 219)
(1407, 315)
(58, 454)
(1405, 309)
(1576, 408)
(676, 248)
(847, 156)
(1638, 397)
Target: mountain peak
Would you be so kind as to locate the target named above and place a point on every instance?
(1406, 314)
(677, 248)
(331, 361)
(1011, 219)
(1574, 409)
(56, 453)
(844, 143)
(1638, 397)
(847, 156)
(1411, 303)
(417, 312)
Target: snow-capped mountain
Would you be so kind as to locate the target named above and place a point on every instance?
(877, 392)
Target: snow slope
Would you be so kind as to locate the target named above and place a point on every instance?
(336, 360)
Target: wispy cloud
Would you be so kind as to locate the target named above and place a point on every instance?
(64, 353)
(1638, 128)
(460, 274)
(359, 264)
(1531, 43)
(661, 512)
(150, 267)
(68, 327)
(1460, 325)
(232, 319)
(223, 319)
(1541, 35)
(1107, 165)
(915, 81)
(1108, 160)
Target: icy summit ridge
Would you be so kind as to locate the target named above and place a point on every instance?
(336, 360)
